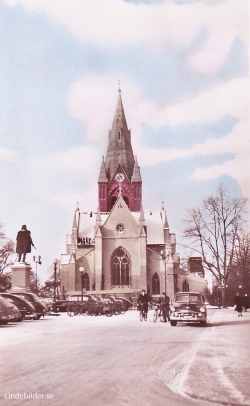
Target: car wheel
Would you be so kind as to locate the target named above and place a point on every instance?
(173, 322)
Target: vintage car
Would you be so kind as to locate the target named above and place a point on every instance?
(47, 301)
(62, 305)
(26, 309)
(188, 307)
(8, 311)
(126, 302)
(40, 308)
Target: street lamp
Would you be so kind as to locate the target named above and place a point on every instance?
(37, 261)
(55, 262)
(81, 269)
(165, 258)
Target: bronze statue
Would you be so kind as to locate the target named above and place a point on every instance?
(23, 243)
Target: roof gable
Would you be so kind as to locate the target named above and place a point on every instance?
(120, 222)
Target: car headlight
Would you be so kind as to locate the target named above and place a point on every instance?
(172, 308)
(202, 310)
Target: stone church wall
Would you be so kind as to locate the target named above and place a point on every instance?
(196, 284)
(131, 245)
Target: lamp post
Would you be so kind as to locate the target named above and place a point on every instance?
(165, 258)
(37, 261)
(81, 269)
(55, 262)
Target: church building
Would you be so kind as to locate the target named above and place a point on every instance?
(118, 247)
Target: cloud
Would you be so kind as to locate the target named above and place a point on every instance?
(70, 202)
(8, 154)
(238, 168)
(227, 98)
(89, 101)
(116, 24)
(223, 23)
(79, 159)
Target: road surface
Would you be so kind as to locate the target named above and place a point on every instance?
(120, 361)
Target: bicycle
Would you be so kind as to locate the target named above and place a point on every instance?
(73, 310)
(76, 309)
(143, 312)
(158, 314)
(108, 309)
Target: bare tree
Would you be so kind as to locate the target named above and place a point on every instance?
(242, 261)
(7, 249)
(213, 231)
(53, 282)
(35, 284)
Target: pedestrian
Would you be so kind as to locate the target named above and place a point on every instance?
(164, 306)
(23, 243)
(238, 301)
(246, 302)
(219, 302)
(143, 299)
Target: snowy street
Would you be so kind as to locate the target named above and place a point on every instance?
(118, 360)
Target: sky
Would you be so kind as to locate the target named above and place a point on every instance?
(184, 75)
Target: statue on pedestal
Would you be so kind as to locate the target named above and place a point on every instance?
(23, 244)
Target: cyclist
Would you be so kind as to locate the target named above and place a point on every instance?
(144, 299)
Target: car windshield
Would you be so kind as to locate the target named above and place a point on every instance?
(26, 297)
(185, 298)
(77, 298)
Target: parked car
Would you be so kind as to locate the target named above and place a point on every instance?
(118, 306)
(8, 311)
(62, 305)
(26, 309)
(4, 311)
(188, 307)
(48, 301)
(32, 298)
(92, 304)
(126, 302)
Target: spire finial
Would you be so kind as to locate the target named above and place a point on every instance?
(162, 207)
(119, 86)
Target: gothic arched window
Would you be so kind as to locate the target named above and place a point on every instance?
(155, 284)
(185, 286)
(120, 267)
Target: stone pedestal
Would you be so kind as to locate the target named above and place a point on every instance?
(20, 275)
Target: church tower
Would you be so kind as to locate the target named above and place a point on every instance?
(119, 247)
(120, 172)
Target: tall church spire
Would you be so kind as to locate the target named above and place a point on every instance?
(119, 161)
(119, 148)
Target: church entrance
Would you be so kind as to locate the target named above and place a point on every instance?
(120, 268)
